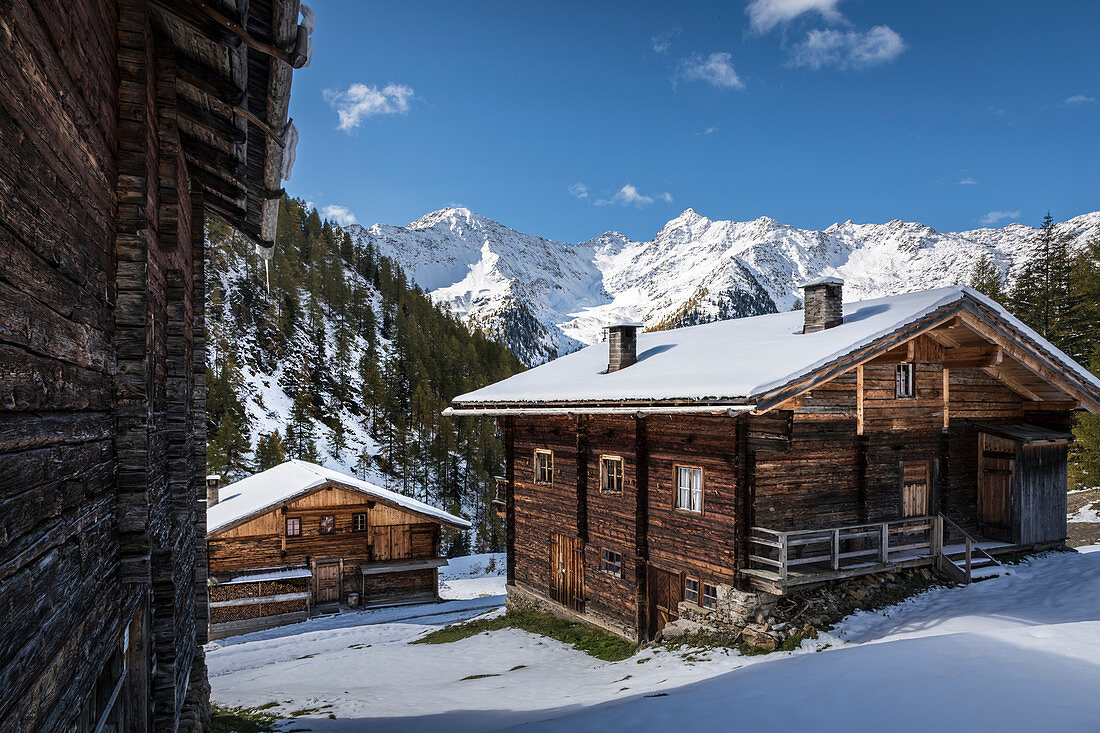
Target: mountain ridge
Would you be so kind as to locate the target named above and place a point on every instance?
(543, 297)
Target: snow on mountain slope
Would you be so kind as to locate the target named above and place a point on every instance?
(544, 298)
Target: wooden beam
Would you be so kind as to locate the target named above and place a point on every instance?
(972, 357)
(217, 125)
(208, 80)
(238, 30)
(859, 400)
(946, 398)
(1012, 383)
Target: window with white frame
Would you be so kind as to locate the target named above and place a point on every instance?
(293, 527)
(611, 475)
(689, 488)
(611, 563)
(905, 380)
(359, 522)
(710, 596)
(544, 467)
(691, 590)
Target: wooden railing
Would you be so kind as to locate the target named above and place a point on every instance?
(812, 555)
(777, 556)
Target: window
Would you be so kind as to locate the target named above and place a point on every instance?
(293, 527)
(689, 488)
(328, 524)
(544, 467)
(359, 522)
(710, 596)
(611, 563)
(691, 590)
(905, 381)
(611, 475)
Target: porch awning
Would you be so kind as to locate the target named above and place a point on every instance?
(1027, 434)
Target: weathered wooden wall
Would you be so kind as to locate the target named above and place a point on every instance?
(831, 457)
(101, 409)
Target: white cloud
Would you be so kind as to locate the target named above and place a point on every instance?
(715, 69)
(341, 214)
(663, 41)
(848, 49)
(764, 15)
(968, 181)
(629, 195)
(710, 130)
(1077, 99)
(992, 217)
(361, 102)
(578, 190)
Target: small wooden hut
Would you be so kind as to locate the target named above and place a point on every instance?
(299, 539)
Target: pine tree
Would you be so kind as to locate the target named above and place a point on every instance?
(226, 450)
(986, 279)
(1084, 465)
(270, 451)
(299, 431)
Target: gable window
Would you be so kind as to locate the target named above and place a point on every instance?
(689, 488)
(328, 524)
(293, 527)
(611, 475)
(359, 522)
(611, 563)
(544, 467)
(905, 380)
(710, 596)
(691, 590)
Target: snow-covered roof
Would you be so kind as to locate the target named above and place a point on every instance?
(827, 280)
(739, 359)
(263, 491)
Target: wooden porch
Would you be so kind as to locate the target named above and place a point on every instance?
(779, 561)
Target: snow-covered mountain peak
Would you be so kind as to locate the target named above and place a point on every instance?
(543, 297)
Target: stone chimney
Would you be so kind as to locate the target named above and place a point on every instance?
(622, 345)
(823, 304)
(213, 482)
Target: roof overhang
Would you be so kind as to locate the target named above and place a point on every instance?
(232, 62)
(491, 410)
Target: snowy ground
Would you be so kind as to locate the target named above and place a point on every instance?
(1016, 653)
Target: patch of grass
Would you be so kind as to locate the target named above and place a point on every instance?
(751, 650)
(478, 676)
(795, 640)
(304, 711)
(242, 720)
(599, 644)
(268, 705)
(518, 666)
(701, 640)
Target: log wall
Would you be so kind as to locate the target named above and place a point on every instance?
(101, 426)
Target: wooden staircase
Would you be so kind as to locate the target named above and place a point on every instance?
(971, 564)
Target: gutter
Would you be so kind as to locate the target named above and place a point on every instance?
(624, 410)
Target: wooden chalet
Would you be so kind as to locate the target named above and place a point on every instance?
(299, 539)
(123, 124)
(668, 474)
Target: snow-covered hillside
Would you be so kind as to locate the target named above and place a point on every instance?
(542, 297)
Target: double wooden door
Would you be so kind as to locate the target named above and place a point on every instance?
(328, 582)
(665, 593)
(567, 571)
(996, 465)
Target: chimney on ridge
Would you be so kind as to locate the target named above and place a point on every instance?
(213, 481)
(622, 345)
(823, 304)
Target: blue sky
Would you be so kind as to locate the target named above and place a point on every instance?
(570, 119)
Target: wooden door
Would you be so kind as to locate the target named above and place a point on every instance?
(916, 491)
(390, 542)
(328, 582)
(996, 465)
(666, 590)
(567, 571)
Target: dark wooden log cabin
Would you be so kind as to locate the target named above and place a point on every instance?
(123, 124)
(300, 538)
(759, 454)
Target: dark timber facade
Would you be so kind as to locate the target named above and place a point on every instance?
(122, 125)
(949, 434)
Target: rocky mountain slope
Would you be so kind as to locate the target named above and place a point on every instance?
(542, 297)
